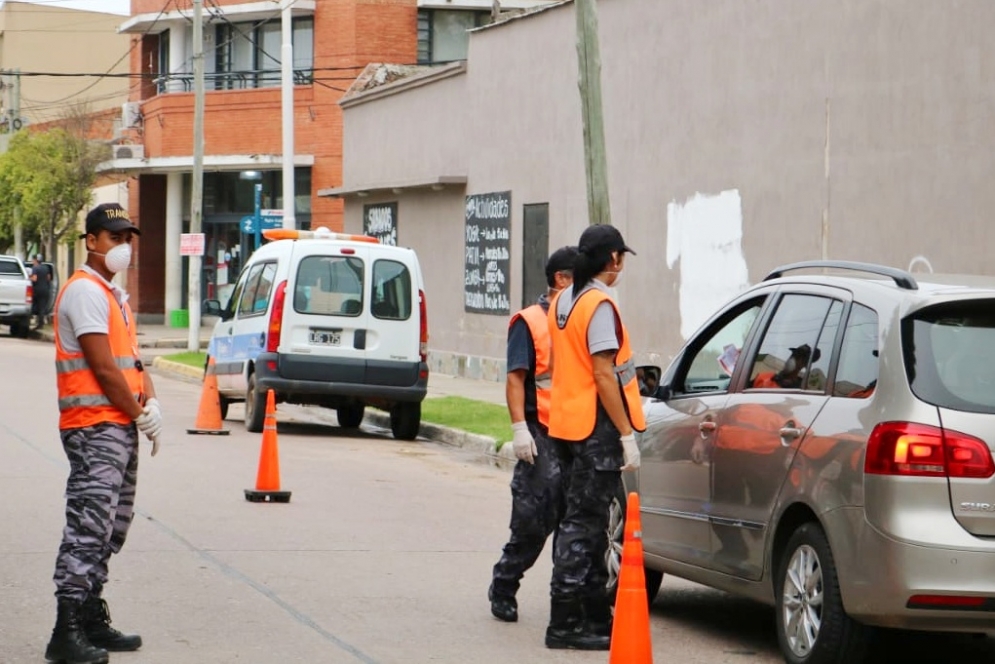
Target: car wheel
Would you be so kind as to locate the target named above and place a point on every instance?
(350, 417)
(21, 329)
(223, 402)
(405, 420)
(812, 626)
(613, 554)
(255, 407)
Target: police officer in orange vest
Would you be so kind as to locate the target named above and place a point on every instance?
(595, 408)
(105, 399)
(536, 499)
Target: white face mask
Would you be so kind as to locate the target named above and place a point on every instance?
(117, 259)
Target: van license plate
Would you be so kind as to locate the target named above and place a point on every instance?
(326, 337)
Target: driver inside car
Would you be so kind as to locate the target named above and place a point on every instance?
(791, 375)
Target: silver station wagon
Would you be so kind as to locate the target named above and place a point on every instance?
(823, 444)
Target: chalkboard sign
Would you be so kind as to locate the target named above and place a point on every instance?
(487, 262)
(380, 221)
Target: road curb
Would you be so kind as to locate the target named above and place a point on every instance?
(48, 334)
(485, 446)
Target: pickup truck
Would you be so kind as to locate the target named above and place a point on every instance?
(15, 296)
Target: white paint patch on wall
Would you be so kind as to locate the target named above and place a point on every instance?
(706, 234)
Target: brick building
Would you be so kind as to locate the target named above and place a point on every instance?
(333, 42)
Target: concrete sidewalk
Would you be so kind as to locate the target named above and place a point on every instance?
(155, 341)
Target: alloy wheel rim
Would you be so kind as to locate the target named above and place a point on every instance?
(802, 600)
(615, 534)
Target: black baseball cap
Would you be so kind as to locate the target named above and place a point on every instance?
(561, 260)
(603, 237)
(108, 217)
(806, 351)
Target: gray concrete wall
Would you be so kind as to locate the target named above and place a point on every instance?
(740, 136)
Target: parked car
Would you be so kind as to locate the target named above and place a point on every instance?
(823, 444)
(15, 296)
(329, 319)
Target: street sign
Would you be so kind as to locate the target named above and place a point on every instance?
(191, 244)
(248, 223)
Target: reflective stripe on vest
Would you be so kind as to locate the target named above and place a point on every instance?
(82, 402)
(574, 407)
(538, 324)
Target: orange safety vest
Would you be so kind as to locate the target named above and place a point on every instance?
(82, 402)
(538, 323)
(574, 408)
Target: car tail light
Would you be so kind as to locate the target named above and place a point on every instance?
(423, 323)
(29, 293)
(906, 448)
(946, 602)
(276, 318)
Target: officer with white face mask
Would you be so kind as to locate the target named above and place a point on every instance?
(106, 399)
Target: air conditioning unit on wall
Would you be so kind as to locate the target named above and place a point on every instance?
(129, 151)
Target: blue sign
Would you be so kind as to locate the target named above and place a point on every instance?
(248, 223)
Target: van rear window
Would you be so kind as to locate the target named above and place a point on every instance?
(330, 286)
(391, 290)
(948, 355)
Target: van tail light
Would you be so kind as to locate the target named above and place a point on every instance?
(29, 293)
(276, 318)
(907, 448)
(423, 326)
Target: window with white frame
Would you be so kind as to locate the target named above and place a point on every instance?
(247, 55)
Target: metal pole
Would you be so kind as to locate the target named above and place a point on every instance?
(287, 99)
(196, 195)
(257, 216)
(595, 158)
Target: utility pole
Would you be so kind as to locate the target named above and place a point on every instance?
(197, 193)
(287, 107)
(595, 158)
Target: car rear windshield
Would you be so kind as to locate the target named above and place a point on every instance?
(10, 267)
(949, 356)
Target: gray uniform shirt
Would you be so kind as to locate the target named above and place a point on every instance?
(83, 309)
(601, 333)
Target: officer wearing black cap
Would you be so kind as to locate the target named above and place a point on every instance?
(105, 399)
(536, 500)
(595, 408)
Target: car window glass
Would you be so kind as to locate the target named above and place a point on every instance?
(711, 367)
(786, 350)
(857, 373)
(261, 300)
(236, 295)
(329, 285)
(819, 371)
(10, 267)
(391, 290)
(247, 300)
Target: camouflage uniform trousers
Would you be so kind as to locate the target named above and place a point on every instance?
(591, 478)
(100, 499)
(536, 506)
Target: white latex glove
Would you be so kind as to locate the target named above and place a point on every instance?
(155, 445)
(522, 443)
(630, 451)
(154, 404)
(149, 422)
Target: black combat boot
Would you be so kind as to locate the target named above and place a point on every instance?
(568, 629)
(97, 625)
(598, 613)
(69, 643)
(503, 607)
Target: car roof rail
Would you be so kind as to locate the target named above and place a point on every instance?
(902, 278)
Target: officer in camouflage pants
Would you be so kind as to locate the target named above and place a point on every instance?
(100, 500)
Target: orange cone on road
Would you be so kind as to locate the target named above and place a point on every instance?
(268, 477)
(209, 411)
(631, 642)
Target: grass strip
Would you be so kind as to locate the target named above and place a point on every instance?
(190, 358)
(480, 417)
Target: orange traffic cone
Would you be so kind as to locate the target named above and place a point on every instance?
(209, 412)
(268, 478)
(631, 628)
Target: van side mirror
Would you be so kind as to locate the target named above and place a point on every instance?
(211, 308)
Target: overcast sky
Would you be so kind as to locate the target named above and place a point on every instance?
(110, 6)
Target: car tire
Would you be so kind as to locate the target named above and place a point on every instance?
(255, 407)
(836, 638)
(613, 555)
(350, 417)
(20, 329)
(405, 420)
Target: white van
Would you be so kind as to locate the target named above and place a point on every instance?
(325, 318)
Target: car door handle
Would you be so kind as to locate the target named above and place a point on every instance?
(706, 427)
(789, 434)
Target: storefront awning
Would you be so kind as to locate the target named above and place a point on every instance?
(184, 164)
(437, 183)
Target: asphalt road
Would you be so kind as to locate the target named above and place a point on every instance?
(383, 554)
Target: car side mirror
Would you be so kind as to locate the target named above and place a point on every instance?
(211, 308)
(663, 393)
(648, 376)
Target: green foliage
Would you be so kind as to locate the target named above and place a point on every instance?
(480, 417)
(45, 181)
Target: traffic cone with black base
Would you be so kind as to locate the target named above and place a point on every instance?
(630, 642)
(268, 477)
(209, 411)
